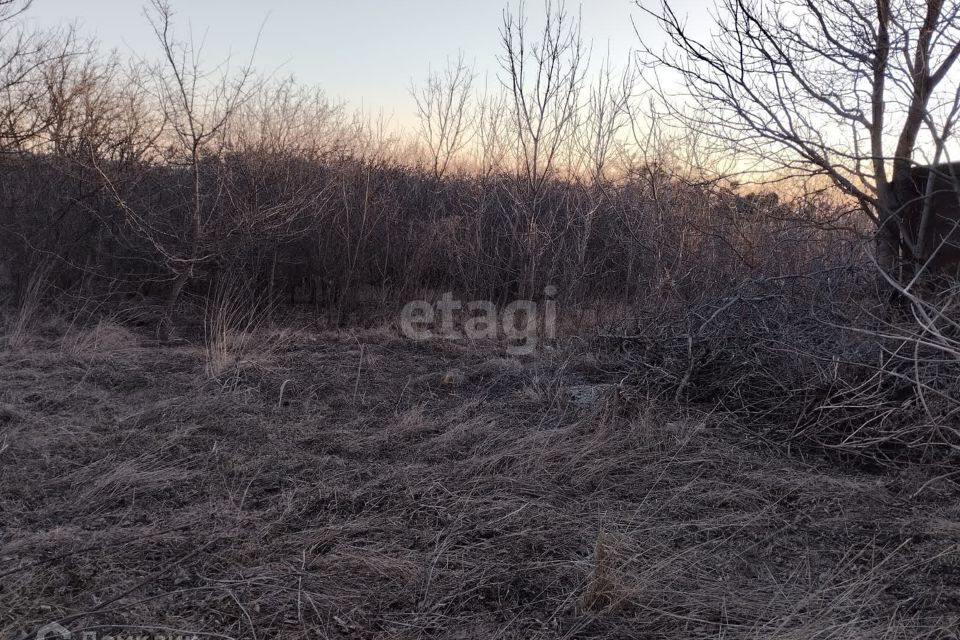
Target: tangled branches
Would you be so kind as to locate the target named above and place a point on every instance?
(806, 362)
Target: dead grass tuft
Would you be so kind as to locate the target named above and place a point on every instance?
(106, 337)
(23, 323)
(601, 592)
(235, 335)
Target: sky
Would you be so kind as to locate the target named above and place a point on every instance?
(367, 52)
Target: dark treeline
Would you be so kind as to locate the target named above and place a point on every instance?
(327, 231)
(150, 182)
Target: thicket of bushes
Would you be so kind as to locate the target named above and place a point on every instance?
(154, 180)
(337, 228)
(154, 186)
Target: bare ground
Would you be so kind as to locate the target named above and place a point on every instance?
(355, 485)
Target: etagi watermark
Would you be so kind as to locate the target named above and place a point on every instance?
(522, 323)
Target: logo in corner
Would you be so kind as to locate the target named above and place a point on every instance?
(54, 631)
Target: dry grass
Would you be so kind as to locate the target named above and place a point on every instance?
(235, 332)
(345, 492)
(104, 337)
(23, 322)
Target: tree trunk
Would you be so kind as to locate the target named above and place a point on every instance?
(166, 320)
(888, 248)
(888, 241)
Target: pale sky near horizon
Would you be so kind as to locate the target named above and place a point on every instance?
(366, 52)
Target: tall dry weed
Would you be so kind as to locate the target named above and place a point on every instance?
(234, 319)
(27, 313)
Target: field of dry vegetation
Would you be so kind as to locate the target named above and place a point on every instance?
(212, 422)
(356, 484)
(352, 483)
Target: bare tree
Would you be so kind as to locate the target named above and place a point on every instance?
(543, 76)
(607, 115)
(197, 107)
(285, 117)
(855, 90)
(492, 140)
(92, 110)
(543, 79)
(23, 54)
(442, 107)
